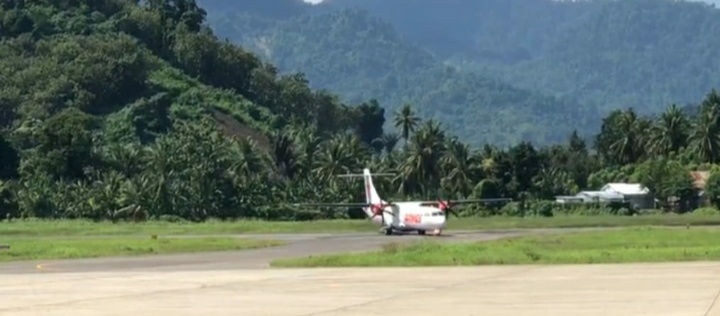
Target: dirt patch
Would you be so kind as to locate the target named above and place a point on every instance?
(238, 130)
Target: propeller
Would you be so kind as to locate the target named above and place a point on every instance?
(379, 209)
(446, 207)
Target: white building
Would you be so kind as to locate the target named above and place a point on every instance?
(590, 197)
(637, 195)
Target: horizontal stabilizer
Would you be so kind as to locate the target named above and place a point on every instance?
(354, 175)
(332, 204)
(338, 204)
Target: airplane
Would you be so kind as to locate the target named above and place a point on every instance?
(406, 216)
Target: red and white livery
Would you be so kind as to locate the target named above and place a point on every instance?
(406, 216)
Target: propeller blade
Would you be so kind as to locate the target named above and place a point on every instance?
(447, 207)
(379, 209)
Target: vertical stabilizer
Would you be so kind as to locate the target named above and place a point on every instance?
(376, 204)
(371, 195)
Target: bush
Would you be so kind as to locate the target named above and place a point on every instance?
(552, 208)
(706, 211)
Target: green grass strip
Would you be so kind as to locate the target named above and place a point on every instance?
(650, 244)
(68, 248)
(33, 228)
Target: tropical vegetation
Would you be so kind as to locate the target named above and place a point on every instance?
(121, 110)
(497, 71)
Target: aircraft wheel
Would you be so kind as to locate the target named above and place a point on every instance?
(421, 232)
(388, 231)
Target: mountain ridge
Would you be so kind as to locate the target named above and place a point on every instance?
(380, 63)
(662, 49)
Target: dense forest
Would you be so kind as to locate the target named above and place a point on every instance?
(497, 71)
(119, 110)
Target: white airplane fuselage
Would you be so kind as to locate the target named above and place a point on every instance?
(411, 216)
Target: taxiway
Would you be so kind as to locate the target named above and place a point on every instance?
(240, 283)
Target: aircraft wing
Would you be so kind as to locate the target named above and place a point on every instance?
(468, 201)
(332, 204)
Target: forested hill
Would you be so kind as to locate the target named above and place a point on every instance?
(644, 54)
(533, 64)
(110, 109)
(119, 110)
(359, 57)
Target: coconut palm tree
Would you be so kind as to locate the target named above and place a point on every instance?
(670, 133)
(388, 141)
(406, 121)
(421, 168)
(706, 136)
(459, 167)
(626, 147)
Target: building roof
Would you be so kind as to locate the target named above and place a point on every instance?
(700, 178)
(626, 188)
(600, 194)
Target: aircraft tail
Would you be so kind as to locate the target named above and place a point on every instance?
(371, 194)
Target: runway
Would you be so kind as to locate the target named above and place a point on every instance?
(241, 283)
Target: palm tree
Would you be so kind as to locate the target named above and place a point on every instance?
(126, 158)
(553, 181)
(251, 163)
(626, 147)
(406, 121)
(670, 133)
(340, 155)
(388, 141)
(422, 165)
(459, 166)
(706, 137)
(285, 156)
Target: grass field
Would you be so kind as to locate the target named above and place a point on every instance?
(646, 244)
(45, 239)
(68, 248)
(36, 228)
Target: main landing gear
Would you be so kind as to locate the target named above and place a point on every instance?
(387, 230)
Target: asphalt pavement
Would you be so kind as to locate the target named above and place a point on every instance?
(242, 283)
